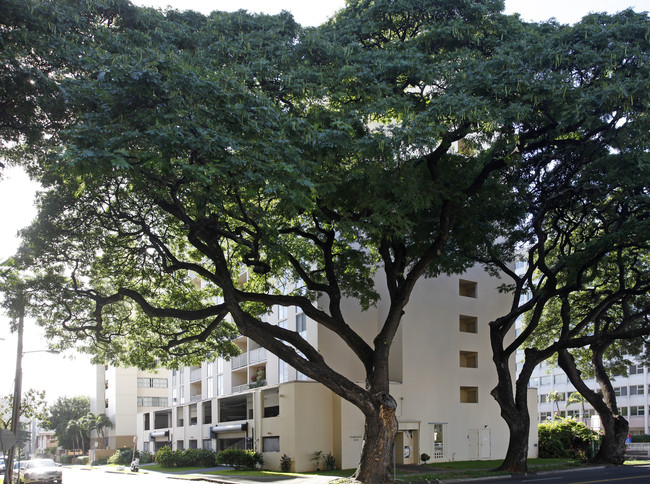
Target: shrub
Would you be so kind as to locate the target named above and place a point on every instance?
(145, 457)
(165, 457)
(99, 462)
(641, 438)
(240, 459)
(565, 438)
(82, 460)
(123, 456)
(425, 457)
(65, 459)
(285, 463)
(330, 462)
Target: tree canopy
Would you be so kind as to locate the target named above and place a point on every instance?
(64, 411)
(215, 167)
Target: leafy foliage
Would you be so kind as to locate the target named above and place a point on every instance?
(32, 407)
(240, 459)
(166, 457)
(565, 438)
(64, 411)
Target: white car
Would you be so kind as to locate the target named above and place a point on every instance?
(40, 470)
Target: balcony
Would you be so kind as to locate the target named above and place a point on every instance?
(257, 355)
(239, 361)
(240, 388)
(195, 374)
(195, 398)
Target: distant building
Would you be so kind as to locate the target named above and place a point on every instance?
(632, 395)
(441, 372)
(121, 393)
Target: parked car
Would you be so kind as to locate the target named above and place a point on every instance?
(40, 470)
(2, 464)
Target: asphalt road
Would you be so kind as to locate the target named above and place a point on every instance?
(619, 475)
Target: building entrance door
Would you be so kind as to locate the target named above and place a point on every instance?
(438, 436)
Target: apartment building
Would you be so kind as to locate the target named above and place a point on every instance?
(441, 377)
(121, 393)
(632, 397)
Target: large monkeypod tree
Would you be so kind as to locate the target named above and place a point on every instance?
(587, 198)
(216, 167)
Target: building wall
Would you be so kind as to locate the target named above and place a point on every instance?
(441, 375)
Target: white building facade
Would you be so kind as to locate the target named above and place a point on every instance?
(441, 377)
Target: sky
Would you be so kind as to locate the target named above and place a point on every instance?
(61, 375)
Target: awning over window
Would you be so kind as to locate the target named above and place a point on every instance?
(229, 428)
(159, 433)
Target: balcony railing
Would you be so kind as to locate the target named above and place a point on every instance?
(239, 388)
(257, 355)
(239, 361)
(195, 398)
(195, 374)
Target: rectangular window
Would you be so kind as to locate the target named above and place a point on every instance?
(219, 385)
(145, 446)
(152, 401)
(545, 380)
(147, 421)
(637, 411)
(620, 391)
(179, 445)
(219, 366)
(468, 324)
(301, 325)
(174, 396)
(467, 288)
(210, 388)
(637, 389)
(209, 370)
(542, 397)
(207, 444)
(181, 377)
(282, 313)
(468, 394)
(468, 359)
(174, 372)
(152, 382)
(180, 413)
(182, 394)
(271, 444)
(636, 370)
(207, 412)
(622, 411)
(559, 379)
(283, 371)
(193, 444)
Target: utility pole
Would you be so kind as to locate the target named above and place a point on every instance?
(15, 410)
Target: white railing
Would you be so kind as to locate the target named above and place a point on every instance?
(257, 355)
(239, 388)
(195, 398)
(195, 374)
(238, 361)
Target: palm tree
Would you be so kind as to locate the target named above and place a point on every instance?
(100, 424)
(73, 428)
(556, 397)
(576, 397)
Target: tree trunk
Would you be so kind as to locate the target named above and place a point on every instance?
(612, 445)
(378, 441)
(516, 459)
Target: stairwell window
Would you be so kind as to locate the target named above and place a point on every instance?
(468, 324)
(468, 359)
(467, 288)
(468, 394)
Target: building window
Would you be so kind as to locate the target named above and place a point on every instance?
(152, 401)
(152, 382)
(209, 370)
(559, 379)
(622, 411)
(282, 313)
(179, 445)
(468, 359)
(544, 416)
(174, 372)
(542, 397)
(207, 444)
(301, 325)
(182, 394)
(620, 391)
(180, 412)
(468, 394)
(219, 385)
(271, 444)
(283, 371)
(193, 444)
(219, 366)
(636, 370)
(468, 324)
(636, 389)
(544, 380)
(174, 396)
(467, 288)
(147, 421)
(210, 388)
(637, 411)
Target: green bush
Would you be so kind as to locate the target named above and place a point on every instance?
(82, 460)
(641, 438)
(165, 457)
(565, 438)
(145, 457)
(330, 462)
(99, 462)
(285, 463)
(123, 456)
(65, 459)
(240, 459)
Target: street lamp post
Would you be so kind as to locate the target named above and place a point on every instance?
(18, 382)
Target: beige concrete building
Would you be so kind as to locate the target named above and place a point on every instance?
(121, 393)
(441, 374)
